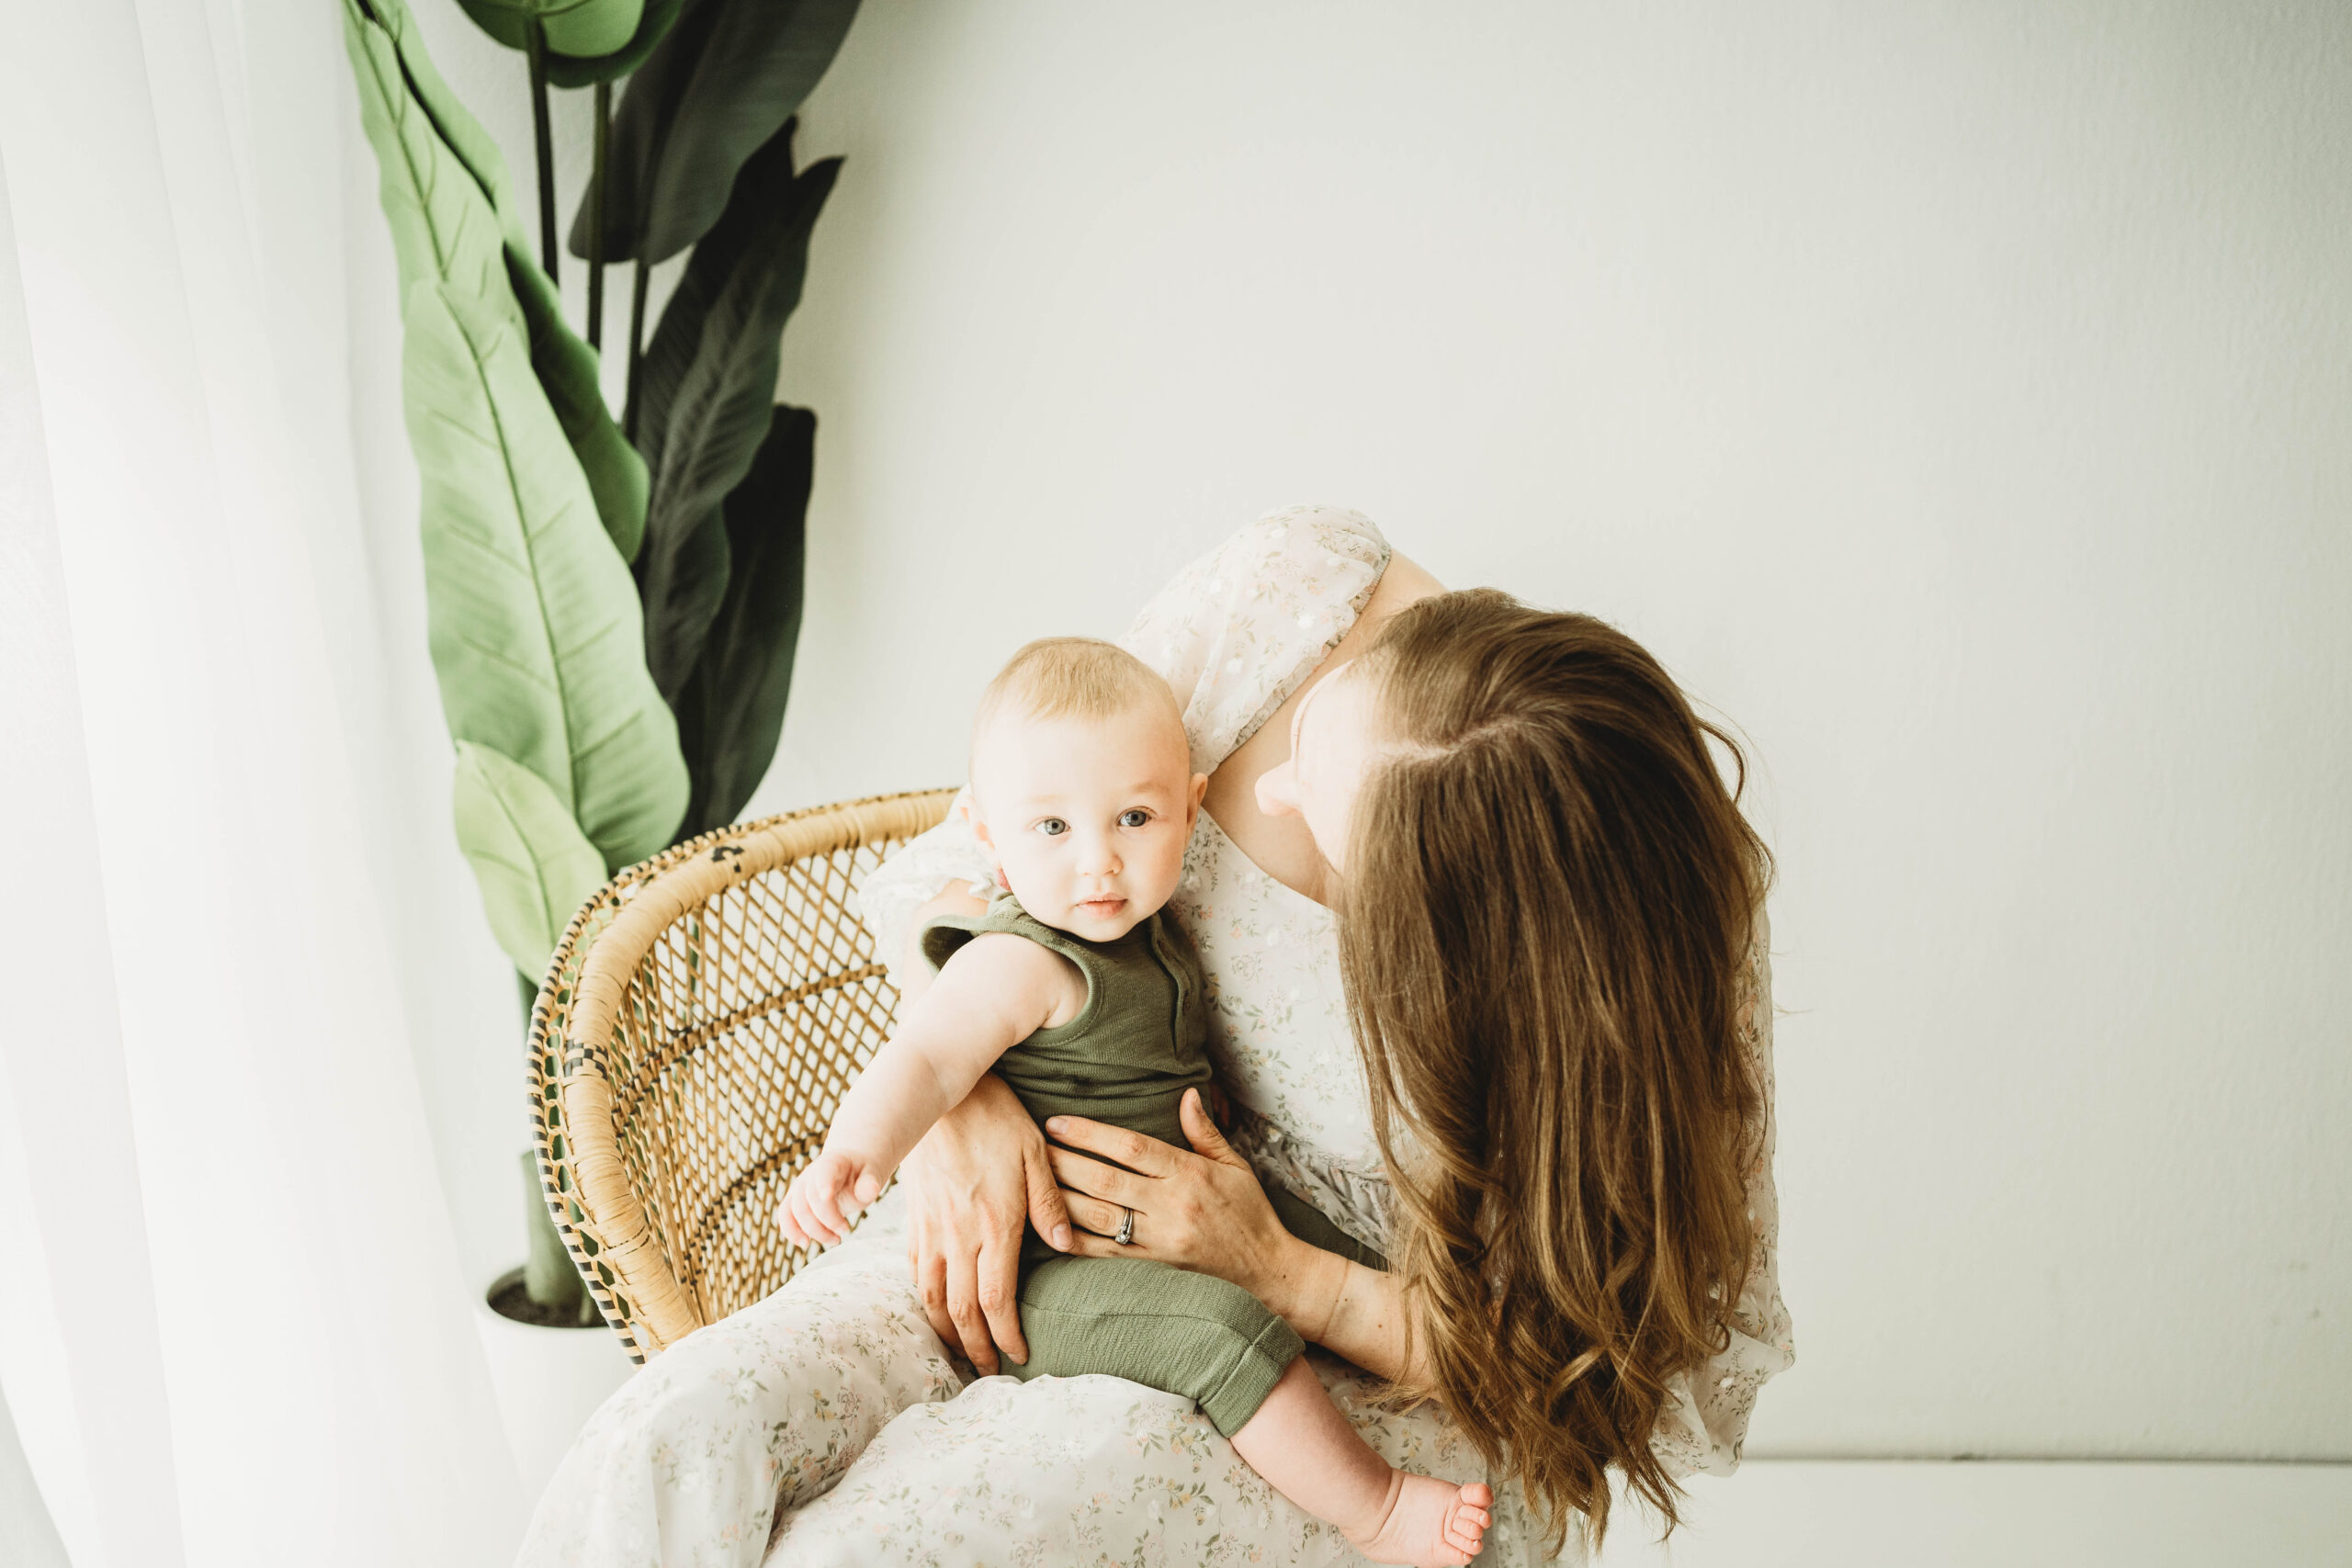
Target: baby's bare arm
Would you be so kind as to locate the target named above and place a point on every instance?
(995, 992)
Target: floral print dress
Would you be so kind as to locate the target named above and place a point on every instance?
(827, 1426)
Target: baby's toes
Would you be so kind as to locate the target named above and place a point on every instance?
(1466, 1521)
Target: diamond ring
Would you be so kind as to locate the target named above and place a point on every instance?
(1126, 1228)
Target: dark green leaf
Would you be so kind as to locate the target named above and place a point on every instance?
(732, 708)
(641, 123)
(707, 97)
(571, 71)
(680, 598)
(708, 392)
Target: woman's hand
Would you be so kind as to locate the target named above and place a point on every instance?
(973, 1184)
(1203, 1211)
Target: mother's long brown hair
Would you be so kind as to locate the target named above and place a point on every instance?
(1543, 922)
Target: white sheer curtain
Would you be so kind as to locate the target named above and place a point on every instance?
(234, 1326)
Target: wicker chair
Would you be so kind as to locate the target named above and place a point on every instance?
(694, 1032)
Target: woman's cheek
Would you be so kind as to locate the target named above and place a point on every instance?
(1326, 824)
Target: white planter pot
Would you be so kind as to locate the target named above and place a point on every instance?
(549, 1382)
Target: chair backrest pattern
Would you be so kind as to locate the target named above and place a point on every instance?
(697, 1029)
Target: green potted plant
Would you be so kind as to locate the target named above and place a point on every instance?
(612, 605)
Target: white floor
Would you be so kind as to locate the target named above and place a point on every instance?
(1784, 1514)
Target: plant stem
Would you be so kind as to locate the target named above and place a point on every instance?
(549, 1277)
(596, 216)
(636, 343)
(537, 40)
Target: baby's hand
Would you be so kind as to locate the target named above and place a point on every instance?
(816, 1209)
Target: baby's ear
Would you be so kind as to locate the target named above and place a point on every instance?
(989, 850)
(1200, 793)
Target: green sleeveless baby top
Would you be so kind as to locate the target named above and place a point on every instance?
(1139, 1044)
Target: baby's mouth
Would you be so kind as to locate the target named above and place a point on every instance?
(1102, 908)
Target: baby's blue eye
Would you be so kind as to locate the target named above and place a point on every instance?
(1053, 827)
(1134, 818)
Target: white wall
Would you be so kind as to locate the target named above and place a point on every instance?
(1954, 396)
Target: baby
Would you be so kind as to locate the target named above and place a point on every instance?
(1085, 996)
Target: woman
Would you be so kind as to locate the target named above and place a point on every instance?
(1486, 940)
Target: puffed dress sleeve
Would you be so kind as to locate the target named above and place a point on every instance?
(1242, 627)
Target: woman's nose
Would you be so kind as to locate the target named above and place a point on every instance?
(1278, 790)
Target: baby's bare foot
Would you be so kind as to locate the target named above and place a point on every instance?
(1428, 1523)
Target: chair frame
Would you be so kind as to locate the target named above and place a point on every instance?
(597, 1005)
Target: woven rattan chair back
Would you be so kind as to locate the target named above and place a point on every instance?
(695, 1033)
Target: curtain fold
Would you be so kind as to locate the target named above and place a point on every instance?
(236, 1327)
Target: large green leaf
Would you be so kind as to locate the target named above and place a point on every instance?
(568, 371)
(573, 26)
(707, 391)
(445, 224)
(732, 707)
(458, 132)
(709, 96)
(531, 616)
(444, 186)
(530, 859)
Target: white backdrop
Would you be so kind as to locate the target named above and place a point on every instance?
(1956, 397)
(1953, 397)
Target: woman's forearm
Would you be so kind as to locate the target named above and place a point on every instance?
(1351, 1311)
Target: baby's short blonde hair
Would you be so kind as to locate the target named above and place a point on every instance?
(1073, 677)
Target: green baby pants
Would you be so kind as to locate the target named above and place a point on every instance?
(1154, 1324)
